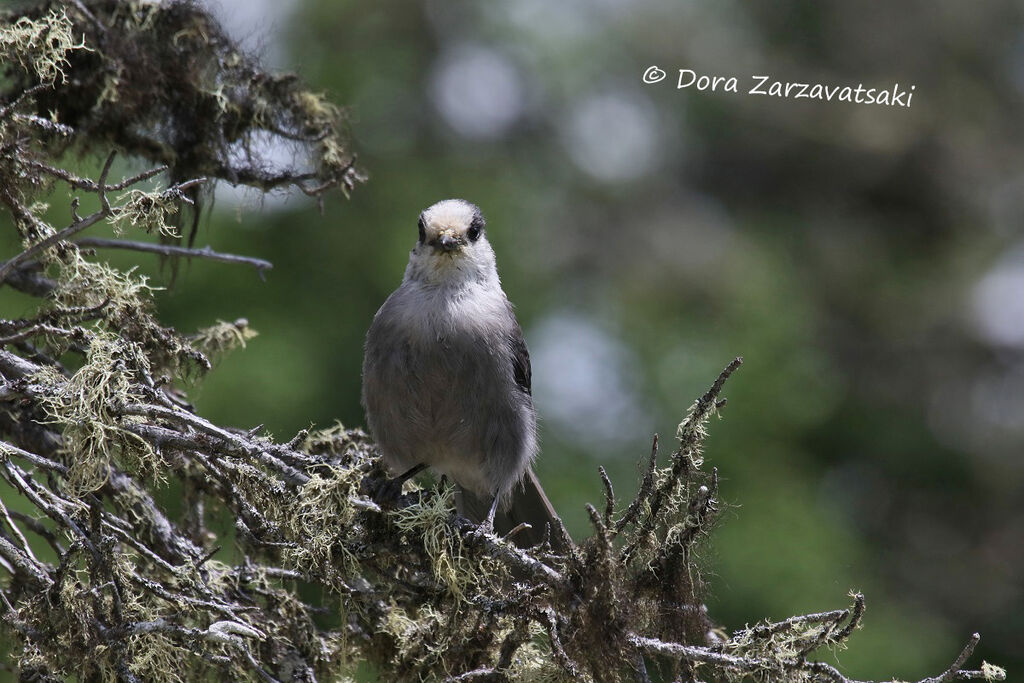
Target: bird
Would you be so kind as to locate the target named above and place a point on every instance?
(447, 382)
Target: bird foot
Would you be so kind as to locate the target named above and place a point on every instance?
(388, 492)
(486, 527)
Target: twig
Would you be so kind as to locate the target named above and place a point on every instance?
(645, 490)
(17, 533)
(550, 621)
(855, 617)
(91, 185)
(516, 558)
(101, 184)
(23, 565)
(693, 653)
(481, 674)
(39, 329)
(8, 448)
(957, 666)
(293, 476)
(705, 402)
(609, 496)
(173, 250)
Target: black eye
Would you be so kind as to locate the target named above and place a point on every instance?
(474, 231)
(423, 230)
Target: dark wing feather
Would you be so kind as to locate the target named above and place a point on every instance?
(520, 359)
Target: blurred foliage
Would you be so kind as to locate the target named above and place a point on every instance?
(841, 249)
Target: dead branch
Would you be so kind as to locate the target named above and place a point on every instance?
(171, 250)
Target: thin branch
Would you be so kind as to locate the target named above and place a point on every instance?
(240, 444)
(39, 461)
(956, 668)
(766, 630)
(516, 558)
(45, 124)
(645, 490)
(609, 496)
(101, 184)
(706, 655)
(39, 329)
(173, 250)
(76, 227)
(91, 185)
(550, 621)
(17, 533)
(24, 565)
(481, 674)
(693, 653)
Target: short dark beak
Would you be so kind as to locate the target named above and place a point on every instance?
(447, 243)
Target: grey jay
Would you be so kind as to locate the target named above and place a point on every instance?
(446, 379)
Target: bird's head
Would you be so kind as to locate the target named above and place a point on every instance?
(452, 246)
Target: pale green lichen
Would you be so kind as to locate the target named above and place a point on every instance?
(149, 211)
(86, 406)
(991, 672)
(427, 520)
(223, 337)
(32, 227)
(317, 107)
(155, 656)
(185, 650)
(77, 603)
(692, 431)
(125, 302)
(41, 45)
(532, 662)
(337, 439)
(317, 519)
(418, 637)
(87, 283)
(778, 645)
(111, 86)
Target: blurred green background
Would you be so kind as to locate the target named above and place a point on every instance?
(867, 262)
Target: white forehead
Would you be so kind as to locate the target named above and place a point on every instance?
(450, 213)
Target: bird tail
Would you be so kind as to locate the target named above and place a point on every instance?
(528, 503)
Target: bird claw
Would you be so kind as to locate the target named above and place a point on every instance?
(486, 527)
(523, 526)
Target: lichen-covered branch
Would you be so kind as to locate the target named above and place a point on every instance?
(312, 576)
(162, 82)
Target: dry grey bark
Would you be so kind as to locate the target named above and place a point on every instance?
(98, 581)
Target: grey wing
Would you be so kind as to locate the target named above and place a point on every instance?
(520, 358)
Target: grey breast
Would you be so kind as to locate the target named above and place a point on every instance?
(442, 391)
